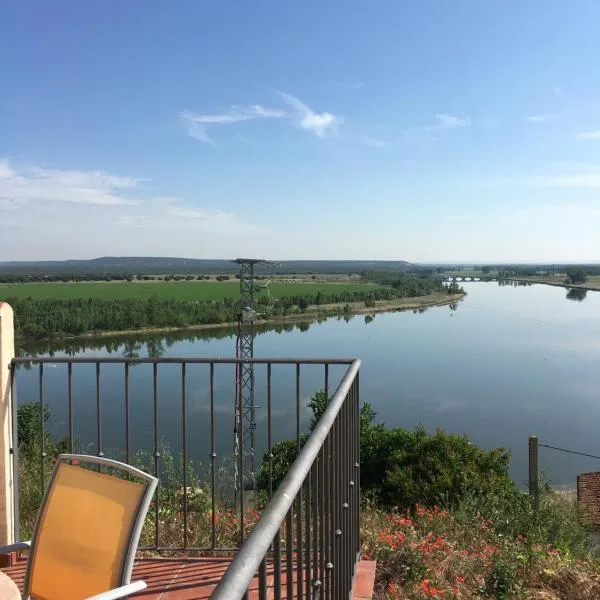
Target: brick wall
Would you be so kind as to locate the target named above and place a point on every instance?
(588, 496)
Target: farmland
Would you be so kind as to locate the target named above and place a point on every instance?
(168, 290)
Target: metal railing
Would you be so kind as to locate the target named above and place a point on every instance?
(322, 487)
(315, 507)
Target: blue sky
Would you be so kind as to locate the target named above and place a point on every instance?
(425, 131)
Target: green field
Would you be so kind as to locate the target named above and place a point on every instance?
(165, 290)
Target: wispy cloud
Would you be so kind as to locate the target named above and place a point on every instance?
(34, 184)
(443, 122)
(174, 213)
(196, 123)
(319, 124)
(197, 131)
(589, 135)
(300, 115)
(542, 119)
(64, 213)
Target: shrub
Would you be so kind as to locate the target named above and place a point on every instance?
(403, 468)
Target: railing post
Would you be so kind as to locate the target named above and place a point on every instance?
(533, 471)
(7, 353)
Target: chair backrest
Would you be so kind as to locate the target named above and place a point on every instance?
(87, 530)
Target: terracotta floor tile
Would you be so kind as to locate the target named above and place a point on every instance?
(196, 578)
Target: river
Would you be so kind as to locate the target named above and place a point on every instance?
(506, 363)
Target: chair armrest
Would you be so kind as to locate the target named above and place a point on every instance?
(18, 547)
(120, 592)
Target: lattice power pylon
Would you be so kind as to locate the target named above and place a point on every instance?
(245, 407)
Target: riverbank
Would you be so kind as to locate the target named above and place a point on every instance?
(312, 313)
(593, 285)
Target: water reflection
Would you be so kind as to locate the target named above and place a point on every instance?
(576, 294)
(151, 344)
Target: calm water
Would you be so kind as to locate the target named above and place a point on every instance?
(507, 363)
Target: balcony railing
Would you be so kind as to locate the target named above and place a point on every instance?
(301, 534)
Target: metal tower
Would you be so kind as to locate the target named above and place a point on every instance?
(245, 408)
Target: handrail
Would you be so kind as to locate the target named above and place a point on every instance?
(243, 567)
(177, 360)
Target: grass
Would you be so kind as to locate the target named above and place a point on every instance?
(166, 290)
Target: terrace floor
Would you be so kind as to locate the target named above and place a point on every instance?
(196, 578)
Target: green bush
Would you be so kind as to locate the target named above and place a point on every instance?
(403, 468)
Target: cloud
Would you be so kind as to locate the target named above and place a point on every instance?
(34, 184)
(175, 214)
(198, 132)
(5, 170)
(445, 122)
(66, 213)
(196, 123)
(542, 119)
(589, 135)
(317, 124)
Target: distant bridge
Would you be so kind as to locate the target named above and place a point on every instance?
(469, 279)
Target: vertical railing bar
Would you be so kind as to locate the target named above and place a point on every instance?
(328, 515)
(70, 402)
(327, 503)
(240, 431)
(350, 467)
(357, 462)
(289, 557)
(277, 565)
(307, 534)
(337, 563)
(15, 451)
(347, 536)
(315, 525)
(262, 579)
(269, 432)
(299, 547)
(353, 474)
(321, 512)
(42, 425)
(345, 492)
(184, 452)
(299, 497)
(98, 415)
(127, 417)
(213, 458)
(156, 451)
(297, 409)
(341, 500)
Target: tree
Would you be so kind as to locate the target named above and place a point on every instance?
(576, 275)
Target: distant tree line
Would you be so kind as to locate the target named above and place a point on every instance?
(99, 277)
(37, 319)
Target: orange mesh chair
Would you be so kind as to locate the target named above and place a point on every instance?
(87, 531)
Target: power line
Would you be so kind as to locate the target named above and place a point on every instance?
(569, 451)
